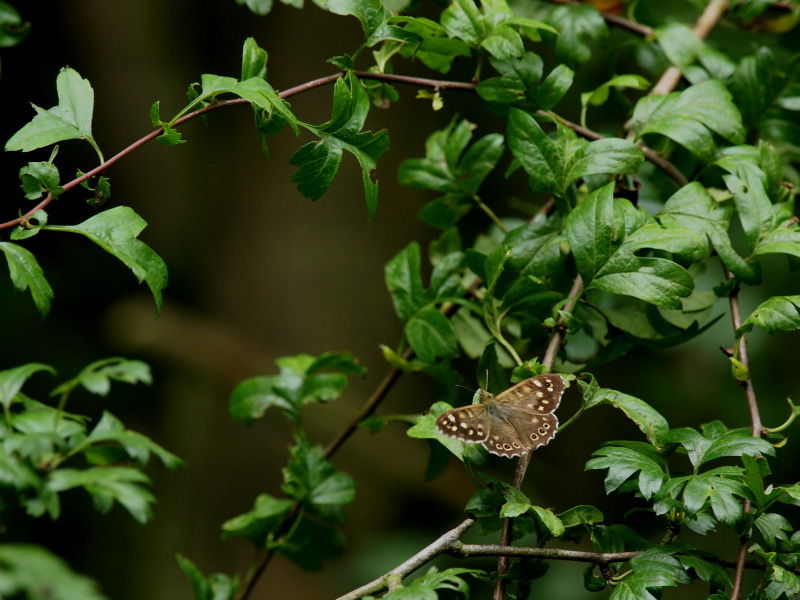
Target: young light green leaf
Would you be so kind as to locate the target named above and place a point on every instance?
(254, 60)
(39, 178)
(115, 230)
(26, 273)
(71, 119)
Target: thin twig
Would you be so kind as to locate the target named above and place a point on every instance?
(443, 544)
(506, 534)
(755, 425)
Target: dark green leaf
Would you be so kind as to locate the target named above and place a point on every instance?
(106, 485)
(115, 231)
(319, 161)
(404, 280)
(97, 377)
(265, 519)
(26, 273)
(578, 26)
(431, 335)
(650, 421)
(310, 543)
(773, 527)
(313, 481)
(624, 462)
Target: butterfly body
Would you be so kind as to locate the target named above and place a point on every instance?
(513, 422)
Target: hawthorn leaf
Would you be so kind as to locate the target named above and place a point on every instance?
(27, 274)
(71, 119)
(115, 231)
(779, 313)
(624, 462)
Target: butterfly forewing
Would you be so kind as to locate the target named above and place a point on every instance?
(517, 420)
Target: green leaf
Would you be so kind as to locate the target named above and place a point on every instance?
(106, 485)
(520, 84)
(650, 421)
(452, 169)
(624, 462)
(265, 519)
(138, 447)
(779, 313)
(12, 380)
(690, 117)
(659, 563)
(32, 572)
(773, 527)
(319, 161)
(70, 120)
(310, 543)
(404, 281)
(254, 60)
(723, 495)
(313, 481)
(299, 384)
(712, 572)
(608, 261)
(115, 231)
(431, 335)
(578, 26)
(424, 588)
(12, 29)
(97, 377)
(38, 178)
(753, 205)
(679, 43)
(26, 273)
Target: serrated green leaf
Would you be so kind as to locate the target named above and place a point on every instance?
(313, 481)
(578, 26)
(70, 119)
(735, 443)
(650, 421)
(97, 376)
(27, 274)
(779, 313)
(106, 485)
(724, 496)
(706, 570)
(773, 527)
(115, 231)
(624, 462)
(659, 562)
(38, 178)
(254, 60)
(319, 161)
(607, 261)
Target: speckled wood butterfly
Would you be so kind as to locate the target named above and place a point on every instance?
(511, 423)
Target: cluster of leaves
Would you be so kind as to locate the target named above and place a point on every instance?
(613, 263)
(304, 525)
(46, 451)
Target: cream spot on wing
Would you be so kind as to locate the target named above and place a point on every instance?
(537, 383)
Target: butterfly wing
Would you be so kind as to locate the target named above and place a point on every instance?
(522, 417)
(518, 420)
(467, 423)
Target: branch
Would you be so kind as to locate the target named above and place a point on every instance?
(446, 543)
(755, 424)
(521, 469)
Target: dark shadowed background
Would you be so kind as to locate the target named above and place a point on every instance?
(258, 272)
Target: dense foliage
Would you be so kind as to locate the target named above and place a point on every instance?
(642, 236)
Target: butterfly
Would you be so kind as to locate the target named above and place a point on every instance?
(513, 422)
